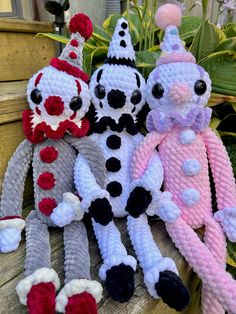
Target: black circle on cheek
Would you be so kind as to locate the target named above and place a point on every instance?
(200, 87)
(157, 90)
(36, 96)
(100, 91)
(136, 97)
(113, 164)
(114, 188)
(76, 103)
(113, 141)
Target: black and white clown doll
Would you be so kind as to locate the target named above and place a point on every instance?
(118, 94)
(59, 98)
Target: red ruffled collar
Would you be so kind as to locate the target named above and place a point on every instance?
(42, 131)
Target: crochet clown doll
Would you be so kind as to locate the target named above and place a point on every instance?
(59, 97)
(177, 92)
(118, 93)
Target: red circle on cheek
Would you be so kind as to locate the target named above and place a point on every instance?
(46, 206)
(48, 154)
(46, 181)
(54, 105)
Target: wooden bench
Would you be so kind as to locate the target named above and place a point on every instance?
(21, 56)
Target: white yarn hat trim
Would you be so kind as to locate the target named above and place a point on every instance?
(17, 223)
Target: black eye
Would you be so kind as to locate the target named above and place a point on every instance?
(100, 91)
(136, 97)
(36, 96)
(157, 90)
(76, 103)
(200, 87)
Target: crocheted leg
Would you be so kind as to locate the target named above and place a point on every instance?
(118, 267)
(80, 293)
(216, 243)
(38, 289)
(160, 273)
(204, 264)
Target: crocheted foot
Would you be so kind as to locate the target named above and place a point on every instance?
(79, 296)
(101, 211)
(120, 282)
(172, 290)
(138, 201)
(41, 299)
(83, 303)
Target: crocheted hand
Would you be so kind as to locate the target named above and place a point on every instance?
(167, 210)
(9, 239)
(67, 211)
(227, 219)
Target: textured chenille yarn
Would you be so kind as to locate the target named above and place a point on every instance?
(177, 92)
(118, 93)
(55, 129)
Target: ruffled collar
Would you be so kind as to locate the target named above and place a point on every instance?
(197, 119)
(37, 132)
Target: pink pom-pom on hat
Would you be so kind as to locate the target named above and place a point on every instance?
(168, 14)
(168, 17)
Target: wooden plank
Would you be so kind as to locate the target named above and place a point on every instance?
(141, 302)
(22, 26)
(23, 55)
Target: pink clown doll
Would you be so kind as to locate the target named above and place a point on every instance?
(177, 92)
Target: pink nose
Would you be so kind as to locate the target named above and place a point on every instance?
(180, 93)
(54, 105)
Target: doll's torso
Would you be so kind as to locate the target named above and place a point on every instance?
(120, 146)
(53, 163)
(185, 163)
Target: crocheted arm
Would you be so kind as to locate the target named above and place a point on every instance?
(11, 222)
(147, 175)
(224, 183)
(94, 198)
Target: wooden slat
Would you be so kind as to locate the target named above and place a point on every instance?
(23, 55)
(141, 302)
(21, 26)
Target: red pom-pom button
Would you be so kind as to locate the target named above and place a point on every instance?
(46, 181)
(74, 43)
(46, 206)
(48, 154)
(73, 55)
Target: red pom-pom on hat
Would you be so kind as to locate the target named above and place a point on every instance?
(81, 24)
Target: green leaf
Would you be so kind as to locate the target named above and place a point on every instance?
(221, 67)
(135, 25)
(228, 44)
(155, 48)
(56, 37)
(206, 40)
(100, 35)
(147, 59)
(231, 149)
(230, 30)
(110, 23)
(94, 58)
(189, 27)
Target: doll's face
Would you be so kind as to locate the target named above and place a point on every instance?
(55, 96)
(178, 87)
(116, 90)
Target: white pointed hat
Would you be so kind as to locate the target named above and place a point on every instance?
(121, 50)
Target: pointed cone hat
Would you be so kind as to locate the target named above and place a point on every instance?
(121, 50)
(71, 58)
(168, 17)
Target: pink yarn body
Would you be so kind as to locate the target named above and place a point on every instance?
(208, 258)
(173, 154)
